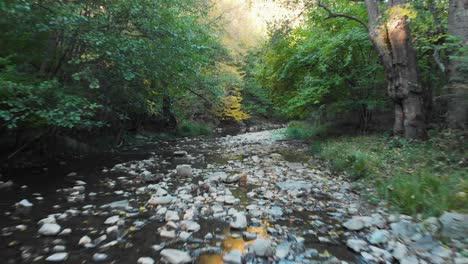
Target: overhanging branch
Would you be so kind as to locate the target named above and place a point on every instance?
(335, 15)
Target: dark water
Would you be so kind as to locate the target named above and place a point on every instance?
(45, 182)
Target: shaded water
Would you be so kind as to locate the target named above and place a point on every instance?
(138, 240)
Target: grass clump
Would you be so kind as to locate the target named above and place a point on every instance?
(415, 177)
(303, 130)
(192, 129)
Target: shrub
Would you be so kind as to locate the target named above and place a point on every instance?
(303, 130)
(192, 129)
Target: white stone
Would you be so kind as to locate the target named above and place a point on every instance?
(354, 223)
(262, 247)
(184, 170)
(145, 260)
(233, 257)
(172, 216)
(157, 200)
(84, 240)
(188, 225)
(49, 229)
(240, 221)
(379, 237)
(174, 256)
(99, 257)
(57, 257)
(112, 220)
(357, 245)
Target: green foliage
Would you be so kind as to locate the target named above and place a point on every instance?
(192, 129)
(34, 103)
(415, 177)
(125, 56)
(303, 130)
(323, 64)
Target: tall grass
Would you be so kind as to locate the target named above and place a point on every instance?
(415, 177)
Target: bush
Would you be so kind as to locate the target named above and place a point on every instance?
(192, 129)
(303, 130)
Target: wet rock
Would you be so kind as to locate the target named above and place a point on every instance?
(262, 247)
(161, 200)
(294, 185)
(49, 229)
(454, 225)
(171, 216)
(167, 233)
(123, 204)
(25, 204)
(188, 225)
(180, 153)
(357, 245)
(247, 236)
(145, 260)
(184, 170)
(232, 178)
(6, 185)
(209, 236)
(59, 248)
(112, 220)
(400, 251)
(57, 257)
(84, 240)
(403, 228)
(174, 256)
(65, 232)
(233, 257)
(239, 222)
(379, 237)
(100, 257)
(411, 259)
(282, 250)
(354, 224)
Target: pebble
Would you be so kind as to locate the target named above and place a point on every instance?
(145, 260)
(49, 229)
(233, 257)
(57, 257)
(100, 257)
(175, 256)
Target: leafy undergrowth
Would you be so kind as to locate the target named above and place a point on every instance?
(192, 129)
(415, 177)
(303, 130)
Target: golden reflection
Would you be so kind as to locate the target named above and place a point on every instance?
(230, 243)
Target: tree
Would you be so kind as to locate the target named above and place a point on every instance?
(457, 114)
(390, 34)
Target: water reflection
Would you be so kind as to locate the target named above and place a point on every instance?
(231, 243)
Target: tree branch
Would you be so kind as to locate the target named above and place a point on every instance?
(335, 15)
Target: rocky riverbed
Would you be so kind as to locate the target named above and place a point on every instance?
(249, 198)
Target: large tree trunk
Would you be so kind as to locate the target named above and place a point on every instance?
(457, 89)
(392, 40)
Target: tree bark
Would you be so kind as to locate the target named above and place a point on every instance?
(457, 88)
(392, 41)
